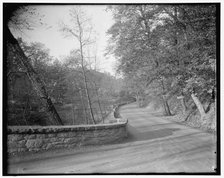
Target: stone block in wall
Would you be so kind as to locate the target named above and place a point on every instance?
(51, 140)
(71, 146)
(72, 134)
(49, 146)
(40, 136)
(34, 149)
(71, 140)
(28, 137)
(51, 135)
(22, 143)
(34, 143)
(57, 146)
(12, 145)
(57, 143)
(12, 150)
(44, 146)
(22, 149)
(63, 135)
(15, 137)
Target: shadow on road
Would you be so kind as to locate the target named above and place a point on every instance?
(136, 135)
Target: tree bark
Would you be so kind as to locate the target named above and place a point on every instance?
(139, 100)
(166, 106)
(83, 105)
(165, 103)
(87, 93)
(84, 77)
(182, 101)
(73, 114)
(183, 105)
(15, 51)
(98, 100)
(199, 105)
(97, 94)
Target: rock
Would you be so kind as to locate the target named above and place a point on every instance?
(52, 140)
(12, 145)
(40, 136)
(22, 144)
(34, 149)
(72, 134)
(62, 135)
(15, 137)
(34, 143)
(22, 149)
(49, 146)
(51, 135)
(70, 140)
(12, 150)
(28, 137)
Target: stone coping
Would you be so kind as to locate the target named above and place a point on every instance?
(56, 129)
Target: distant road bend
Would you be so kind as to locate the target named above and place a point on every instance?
(155, 145)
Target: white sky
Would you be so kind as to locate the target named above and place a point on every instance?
(60, 46)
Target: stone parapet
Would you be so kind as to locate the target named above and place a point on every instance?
(23, 139)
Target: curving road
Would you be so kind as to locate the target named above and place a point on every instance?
(155, 145)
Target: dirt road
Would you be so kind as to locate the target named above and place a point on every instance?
(155, 145)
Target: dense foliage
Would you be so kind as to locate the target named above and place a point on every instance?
(64, 83)
(166, 50)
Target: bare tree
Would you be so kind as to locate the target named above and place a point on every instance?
(81, 30)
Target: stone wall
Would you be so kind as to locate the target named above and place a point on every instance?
(24, 139)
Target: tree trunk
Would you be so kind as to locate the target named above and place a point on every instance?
(183, 105)
(83, 105)
(97, 94)
(79, 36)
(15, 51)
(99, 105)
(166, 106)
(85, 85)
(73, 114)
(139, 99)
(165, 103)
(199, 105)
(182, 101)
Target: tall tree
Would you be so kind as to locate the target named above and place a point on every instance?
(81, 30)
(175, 43)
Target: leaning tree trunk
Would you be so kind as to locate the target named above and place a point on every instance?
(166, 106)
(199, 105)
(15, 51)
(165, 103)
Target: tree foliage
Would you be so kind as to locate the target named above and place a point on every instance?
(172, 47)
(64, 84)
